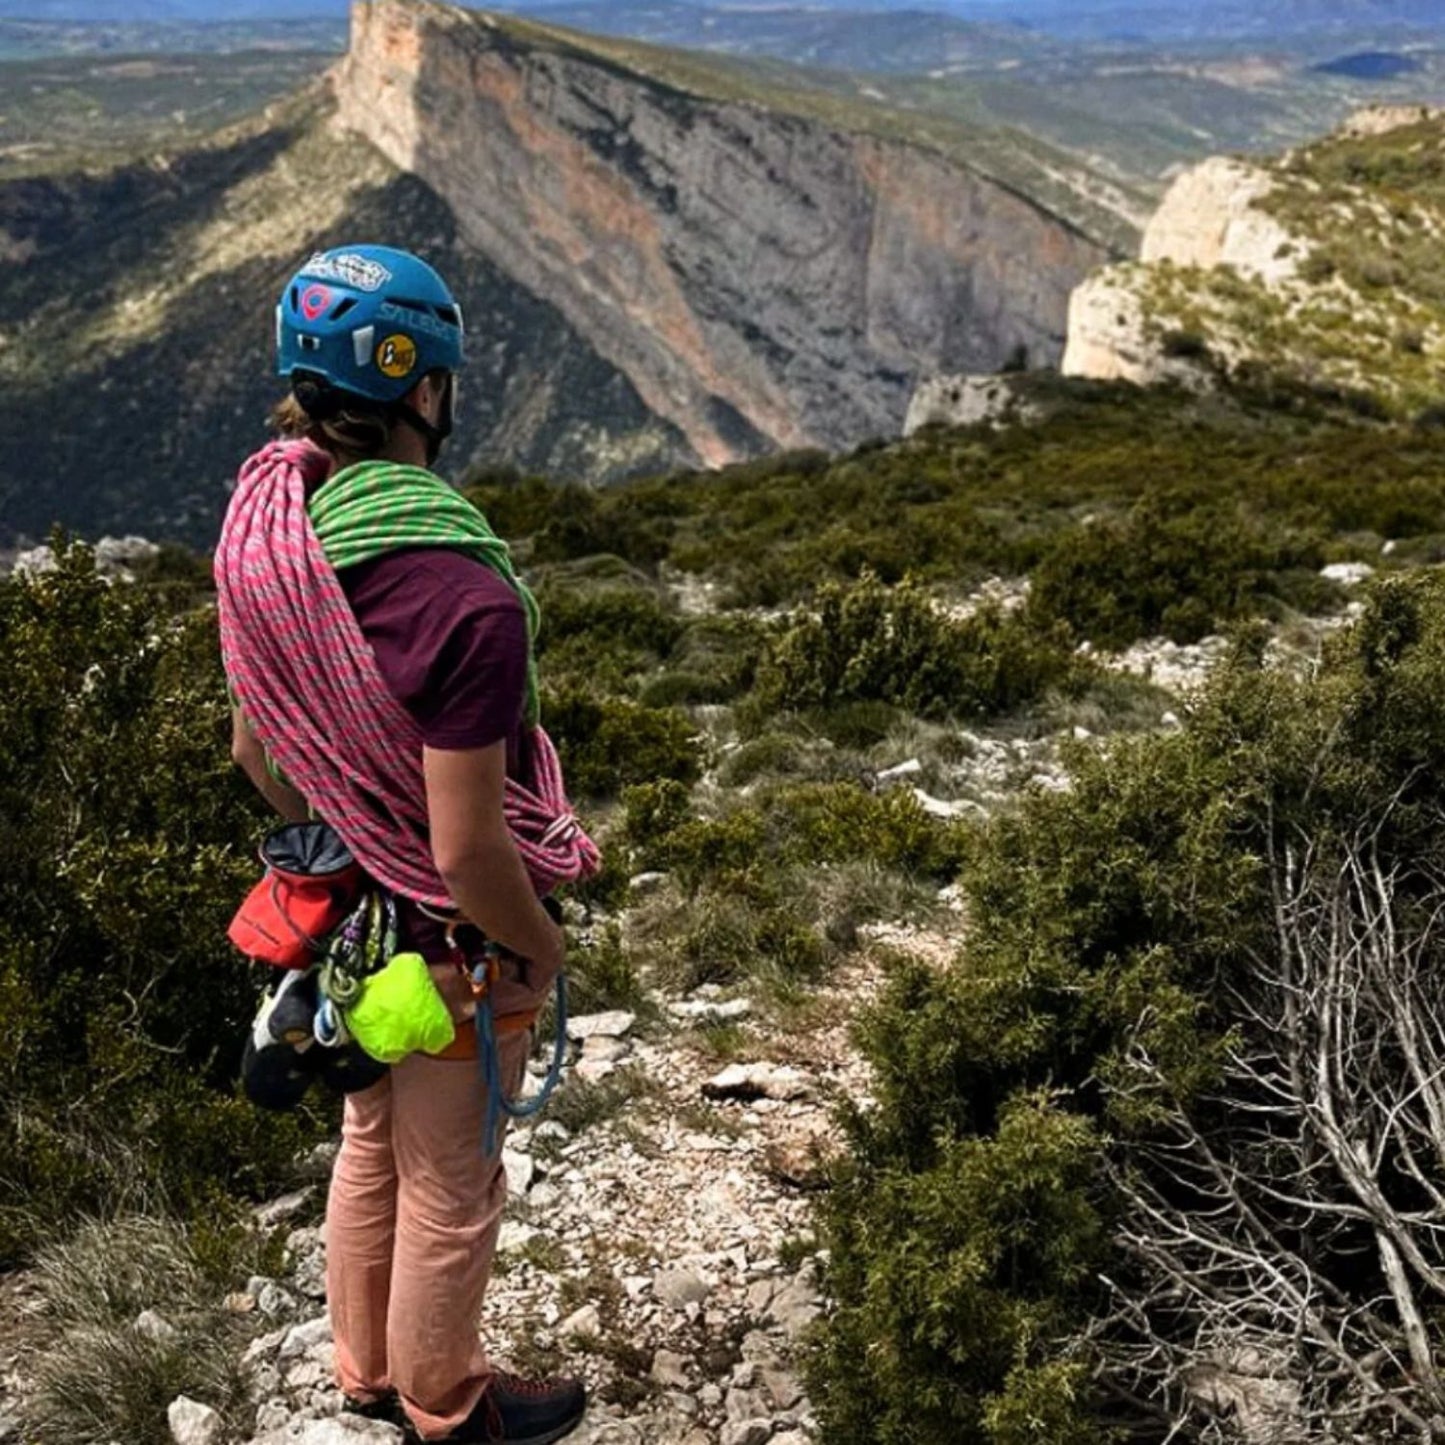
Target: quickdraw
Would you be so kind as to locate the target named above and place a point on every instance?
(360, 947)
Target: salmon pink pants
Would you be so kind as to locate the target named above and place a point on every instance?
(411, 1230)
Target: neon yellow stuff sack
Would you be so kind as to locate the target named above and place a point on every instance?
(400, 1012)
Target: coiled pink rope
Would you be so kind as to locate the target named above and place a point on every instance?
(306, 678)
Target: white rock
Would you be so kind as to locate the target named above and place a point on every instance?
(758, 1081)
(678, 1288)
(783, 1388)
(648, 882)
(593, 1071)
(550, 1129)
(965, 401)
(338, 1430)
(669, 1370)
(1170, 720)
(611, 1025)
(901, 770)
(515, 1236)
(287, 1207)
(746, 1432)
(1347, 574)
(713, 1010)
(521, 1169)
(937, 807)
(585, 1321)
(602, 1049)
(795, 1307)
(193, 1423)
(304, 1338)
(154, 1327)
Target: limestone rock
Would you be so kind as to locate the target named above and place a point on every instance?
(746, 1432)
(707, 297)
(338, 1430)
(669, 1370)
(758, 1081)
(1347, 574)
(1210, 218)
(154, 1327)
(521, 1170)
(678, 1288)
(614, 1024)
(193, 1423)
(585, 1321)
(965, 401)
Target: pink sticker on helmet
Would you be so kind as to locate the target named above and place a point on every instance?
(314, 302)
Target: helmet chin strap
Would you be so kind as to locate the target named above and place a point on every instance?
(433, 433)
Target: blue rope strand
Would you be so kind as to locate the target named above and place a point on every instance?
(497, 1101)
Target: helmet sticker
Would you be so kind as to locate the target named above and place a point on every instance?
(315, 301)
(396, 356)
(417, 320)
(349, 269)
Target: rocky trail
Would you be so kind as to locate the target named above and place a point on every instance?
(658, 1237)
(659, 1245)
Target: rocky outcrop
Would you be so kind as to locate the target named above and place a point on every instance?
(1317, 272)
(966, 401)
(1209, 218)
(761, 278)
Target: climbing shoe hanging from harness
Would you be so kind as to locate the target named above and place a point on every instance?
(283, 1056)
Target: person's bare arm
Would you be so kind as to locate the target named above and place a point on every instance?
(248, 755)
(477, 859)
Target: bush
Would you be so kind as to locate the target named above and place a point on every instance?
(868, 643)
(1163, 569)
(606, 744)
(1067, 1204)
(127, 846)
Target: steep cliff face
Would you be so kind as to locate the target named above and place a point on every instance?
(761, 278)
(1322, 269)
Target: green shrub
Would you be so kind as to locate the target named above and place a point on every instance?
(127, 846)
(1171, 571)
(1111, 983)
(606, 744)
(869, 643)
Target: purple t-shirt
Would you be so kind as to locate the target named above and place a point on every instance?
(450, 638)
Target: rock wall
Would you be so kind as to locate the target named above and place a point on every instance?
(760, 278)
(1208, 219)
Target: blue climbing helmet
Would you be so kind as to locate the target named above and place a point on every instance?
(367, 321)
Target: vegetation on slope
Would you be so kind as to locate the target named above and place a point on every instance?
(1363, 311)
(735, 744)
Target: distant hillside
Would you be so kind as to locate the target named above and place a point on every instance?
(1183, 19)
(1323, 269)
(666, 259)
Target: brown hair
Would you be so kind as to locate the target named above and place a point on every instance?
(355, 433)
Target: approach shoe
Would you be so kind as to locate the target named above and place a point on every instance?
(385, 1407)
(515, 1411)
(279, 1062)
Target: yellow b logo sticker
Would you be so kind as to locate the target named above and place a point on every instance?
(396, 356)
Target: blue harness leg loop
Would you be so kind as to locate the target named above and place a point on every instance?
(497, 1101)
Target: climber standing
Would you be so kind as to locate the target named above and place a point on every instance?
(379, 648)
